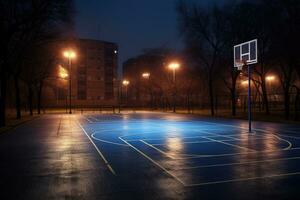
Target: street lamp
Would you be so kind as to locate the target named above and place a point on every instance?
(70, 54)
(146, 75)
(126, 83)
(63, 75)
(245, 82)
(174, 66)
(270, 79)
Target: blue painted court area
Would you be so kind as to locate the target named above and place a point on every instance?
(185, 157)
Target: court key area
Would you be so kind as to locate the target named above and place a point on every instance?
(170, 156)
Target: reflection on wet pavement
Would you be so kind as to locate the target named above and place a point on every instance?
(153, 155)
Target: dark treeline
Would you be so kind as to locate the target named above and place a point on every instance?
(207, 77)
(28, 29)
(211, 32)
(157, 90)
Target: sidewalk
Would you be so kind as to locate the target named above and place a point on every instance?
(11, 123)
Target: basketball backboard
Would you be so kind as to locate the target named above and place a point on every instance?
(245, 53)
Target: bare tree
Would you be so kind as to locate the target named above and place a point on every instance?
(22, 24)
(285, 43)
(203, 30)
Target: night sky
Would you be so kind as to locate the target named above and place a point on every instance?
(133, 24)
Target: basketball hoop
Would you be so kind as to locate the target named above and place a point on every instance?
(246, 54)
(239, 65)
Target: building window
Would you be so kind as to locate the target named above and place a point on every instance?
(81, 95)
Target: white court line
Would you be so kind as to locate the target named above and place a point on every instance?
(243, 179)
(154, 162)
(290, 144)
(118, 130)
(279, 138)
(238, 163)
(200, 120)
(220, 181)
(110, 121)
(219, 135)
(206, 183)
(215, 134)
(210, 141)
(206, 131)
(256, 129)
(105, 141)
(176, 136)
(236, 154)
(162, 138)
(94, 118)
(196, 156)
(276, 175)
(88, 119)
(99, 152)
(230, 144)
(166, 154)
(198, 137)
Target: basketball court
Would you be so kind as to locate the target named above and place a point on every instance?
(194, 152)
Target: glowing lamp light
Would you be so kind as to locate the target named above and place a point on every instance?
(125, 82)
(146, 75)
(244, 82)
(69, 54)
(174, 65)
(270, 78)
(62, 72)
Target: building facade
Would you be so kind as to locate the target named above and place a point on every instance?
(93, 75)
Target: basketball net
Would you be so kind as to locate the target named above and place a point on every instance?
(239, 64)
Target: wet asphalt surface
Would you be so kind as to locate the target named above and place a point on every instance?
(149, 156)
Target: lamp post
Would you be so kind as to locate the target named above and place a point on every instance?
(70, 54)
(270, 79)
(146, 76)
(126, 83)
(174, 66)
(63, 75)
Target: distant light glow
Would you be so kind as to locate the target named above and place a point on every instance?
(174, 65)
(62, 73)
(115, 51)
(270, 78)
(125, 82)
(146, 75)
(69, 54)
(245, 82)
